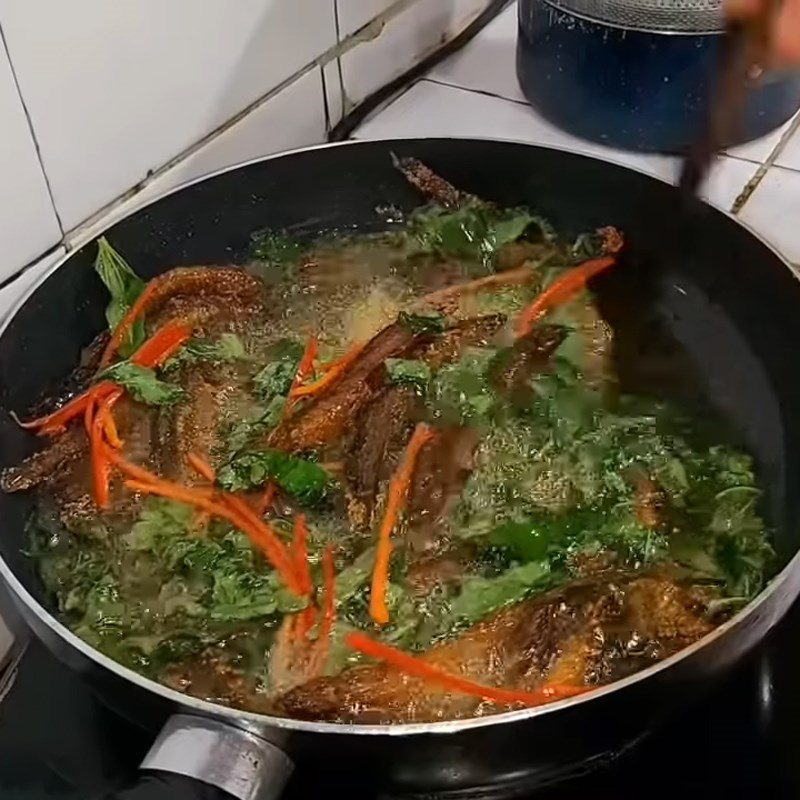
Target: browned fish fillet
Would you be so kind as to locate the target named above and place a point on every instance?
(585, 634)
(442, 469)
(48, 464)
(205, 295)
(381, 432)
(214, 298)
(383, 427)
(435, 188)
(327, 417)
(451, 344)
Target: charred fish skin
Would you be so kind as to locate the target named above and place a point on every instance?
(330, 415)
(431, 185)
(382, 428)
(586, 634)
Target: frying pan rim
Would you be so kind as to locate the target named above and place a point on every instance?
(259, 723)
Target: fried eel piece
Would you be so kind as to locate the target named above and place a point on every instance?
(211, 297)
(435, 188)
(586, 634)
(328, 417)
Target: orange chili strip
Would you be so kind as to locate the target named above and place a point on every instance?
(157, 349)
(201, 467)
(181, 494)
(109, 425)
(165, 342)
(333, 371)
(561, 290)
(328, 611)
(57, 421)
(265, 537)
(129, 468)
(300, 554)
(398, 489)
(259, 532)
(262, 537)
(419, 668)
(93, 420)
(134, 312)
(304, 368)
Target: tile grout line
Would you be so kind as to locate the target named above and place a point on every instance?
(485, 92)
(338, 26)
(31, 264)
(32, 132)
(325, 107)
(390, 101)
(754, 182)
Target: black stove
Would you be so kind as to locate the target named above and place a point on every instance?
(742, 740)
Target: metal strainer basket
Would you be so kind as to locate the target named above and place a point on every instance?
(663, 16)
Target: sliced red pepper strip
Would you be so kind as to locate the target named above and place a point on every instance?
(561, 290)
(332, 373)
(300, 554)
(157, 349)
(398, 489)
(304, 369)
(243, 516)
(328, 611)
(163, 344)
(420, 668)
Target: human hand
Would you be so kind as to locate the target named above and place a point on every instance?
(786, 28)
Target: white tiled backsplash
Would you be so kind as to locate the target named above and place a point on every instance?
(96, 97)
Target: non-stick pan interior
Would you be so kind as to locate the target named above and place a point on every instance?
(691, 276)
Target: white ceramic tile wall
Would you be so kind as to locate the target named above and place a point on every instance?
(404, 41)
(294, 117)
(488, 64)
(28, 224)
(116, 89)
(11, 292)
(354, 14)
(774, 210)
(334, 94)
(790, 156)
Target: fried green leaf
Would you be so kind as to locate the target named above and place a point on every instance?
(304, 479)
(476, 230)
(480, 596)
(422, 323)
(143, 384)
(408, 372)
(124, 286)
(227, 348)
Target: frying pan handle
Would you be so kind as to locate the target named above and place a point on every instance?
(203, 755)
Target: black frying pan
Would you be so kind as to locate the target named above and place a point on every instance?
(720, 307)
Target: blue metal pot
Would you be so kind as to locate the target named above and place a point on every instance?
(632, 88)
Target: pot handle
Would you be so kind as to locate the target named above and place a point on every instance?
(201, 758)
